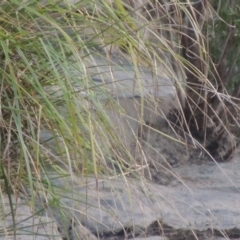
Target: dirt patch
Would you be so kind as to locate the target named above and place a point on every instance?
(163, 149)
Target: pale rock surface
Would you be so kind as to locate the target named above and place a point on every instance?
(128, 86)
(26, 226)
(122, 79)
(203, 197)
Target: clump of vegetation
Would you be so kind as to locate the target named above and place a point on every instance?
(212, 105)
(48, 94)
(54, 113)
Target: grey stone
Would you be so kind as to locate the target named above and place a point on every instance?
(203, 197)
(115, 77)
(107, 207)
(123, 80)
(26, 225)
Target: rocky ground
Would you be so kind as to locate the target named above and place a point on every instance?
(187, 197)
